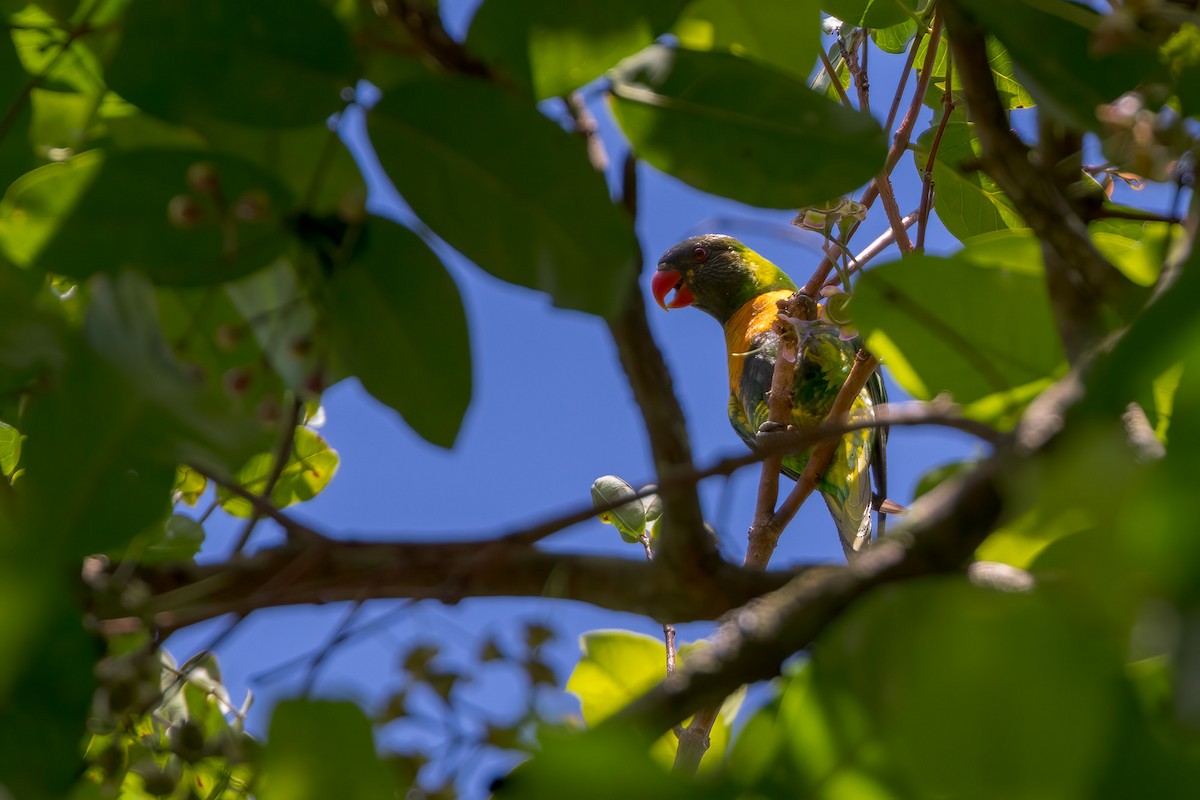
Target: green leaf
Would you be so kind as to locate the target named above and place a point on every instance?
(940, 474)
(553, 47)
(317, 750)
(1181, 52)
(618, 666)
(629, 518)
(179, 540)
(394, 290)
(1137, 248)
(895, 39)
(740, 130)
(600, 765)
(100, 212)
(1017, 671)
(271, 63)
(779, 33)
(958, 325)
(278, 312)
(1012, 94)
(523, 202)
(968, 203)
(309, 468)
(10, 449)
(870, 13)
(1071, 78)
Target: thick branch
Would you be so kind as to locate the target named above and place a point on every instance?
(1081, 282)
(945, 528)
(334, 571)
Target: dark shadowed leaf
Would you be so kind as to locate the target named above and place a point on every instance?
(272, 63)
(317, 750)
(870, 13)
(784, 34)
(1015, 670)
(970, 328)
(553, 47)
(398, 325)
(16, 155)
(1070, 78)
(100, 212)
(522, 202)
(737, 129)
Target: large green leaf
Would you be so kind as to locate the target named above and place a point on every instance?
(969, 327)
(1012, 94)
(318, 750)
(1070, 77)
(397, 323)
(979, 691)
(870, 13)
(968, 202)
(99, 212)
(272, 63)
(785, 34)
(310, 466)
(618, 666)
(553, 47)
(741, 130)
(522, 202)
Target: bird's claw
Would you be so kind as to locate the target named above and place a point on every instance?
(770, 432)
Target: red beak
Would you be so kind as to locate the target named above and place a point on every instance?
(661, 285)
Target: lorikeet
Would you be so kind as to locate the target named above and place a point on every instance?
(726, 279)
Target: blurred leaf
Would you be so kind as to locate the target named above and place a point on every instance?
(958, 325)
(796, 745)
(523, 202)
(743, 131)
(968, 203)
(394, 290)
(1015, 670)
(870, 13)
(618, 666)
(784, 34)
(16, 155)
(279, 315)
(310, 466)
(179, 540)
(271, 63)
(629, 518)
(1071, 79)
(1181, 53)
(599, 765)
(313, 162)
(1137, 248)
(552, 47)
(10, 448)
(64, 63)
(318, 750)
(100, 212)
(940, 474)
(42, 718)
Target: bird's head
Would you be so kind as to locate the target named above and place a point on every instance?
(715, 273)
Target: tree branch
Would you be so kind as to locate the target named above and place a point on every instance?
(1080, 281)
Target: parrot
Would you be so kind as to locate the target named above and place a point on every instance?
(740, 288)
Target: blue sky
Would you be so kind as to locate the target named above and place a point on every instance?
(550, 413)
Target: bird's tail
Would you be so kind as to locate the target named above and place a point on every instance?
(853, 520)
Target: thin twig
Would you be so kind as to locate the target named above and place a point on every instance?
(279, 462)
(899, 147)
(881, 243)
(927, 186)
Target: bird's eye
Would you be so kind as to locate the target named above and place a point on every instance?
(699, 253)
